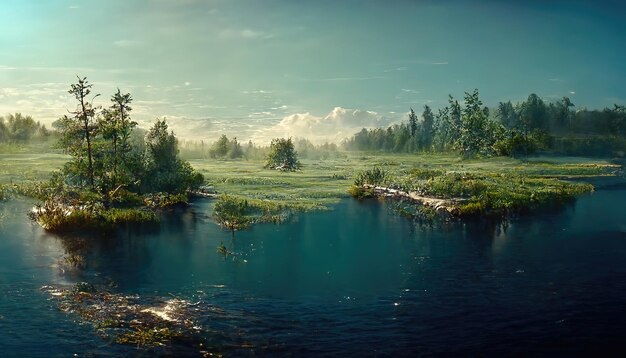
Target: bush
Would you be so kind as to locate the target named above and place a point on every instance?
(375, 176)
(360, 192)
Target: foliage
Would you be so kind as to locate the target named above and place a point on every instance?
(513, 130)
(425, 173)
(164, 171)
(56, 215)
(18, 128)
(360, 192)
(164, 200)
(107, 159)
(375, 176)
(82, 124)
(232, 212)
(116, 127)
(282, 156)
(473, 137)
(225, 148)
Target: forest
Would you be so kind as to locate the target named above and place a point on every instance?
(531, 126)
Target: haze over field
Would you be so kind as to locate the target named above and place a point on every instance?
(320, 69)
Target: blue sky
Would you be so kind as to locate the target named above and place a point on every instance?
(257, 69)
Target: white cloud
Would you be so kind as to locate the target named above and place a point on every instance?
(340, 123)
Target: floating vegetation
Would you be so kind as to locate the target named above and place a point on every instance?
(223, 250)
(125, 319)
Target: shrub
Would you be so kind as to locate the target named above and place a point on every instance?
(360, 192)
(375, 176)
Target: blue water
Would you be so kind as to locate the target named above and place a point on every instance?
(354, 281)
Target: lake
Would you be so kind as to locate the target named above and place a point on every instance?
(357, 280)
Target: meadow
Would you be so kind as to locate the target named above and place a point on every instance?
(322, 182)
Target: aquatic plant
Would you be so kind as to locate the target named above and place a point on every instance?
(222, 250)
(129, 319)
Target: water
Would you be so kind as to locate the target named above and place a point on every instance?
(357, 280)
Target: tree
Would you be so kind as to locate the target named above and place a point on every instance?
(282, 155)
(232, 213)
(19, 128)
(560, 114)
(413, 123)
(121, 104)
(473, 126)
(506, 114)
(219, 149)
(116, 126)
(455, 121)
(533, 114)
(84, 114)
(442, 129)
(428, 120)
(164, 170)
(234, 149)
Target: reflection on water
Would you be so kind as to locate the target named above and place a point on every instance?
(356, 280)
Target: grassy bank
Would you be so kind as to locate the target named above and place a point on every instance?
(322, 183)
(488, 184)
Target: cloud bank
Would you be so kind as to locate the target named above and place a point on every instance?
(340, 123)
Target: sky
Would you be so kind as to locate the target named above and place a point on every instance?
(321, 69)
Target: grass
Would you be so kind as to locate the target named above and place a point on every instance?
(56, 216)
(322, 183)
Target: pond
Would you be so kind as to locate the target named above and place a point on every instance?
(355, 280)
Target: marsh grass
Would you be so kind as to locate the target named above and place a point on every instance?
(56, 216)
(490, 183)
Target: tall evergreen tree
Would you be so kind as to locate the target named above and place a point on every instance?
(413, 123)
(428, 120)
(84, 114)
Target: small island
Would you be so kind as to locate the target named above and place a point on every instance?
(114, 176)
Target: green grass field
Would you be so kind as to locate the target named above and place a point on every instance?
(321, 182)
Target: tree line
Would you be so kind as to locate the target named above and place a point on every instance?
(470, 128)
(18, 128)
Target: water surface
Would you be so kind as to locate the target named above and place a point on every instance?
(356, 280)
